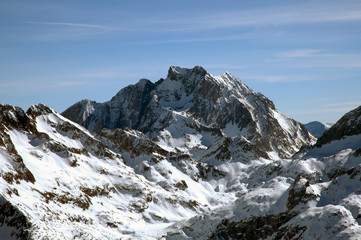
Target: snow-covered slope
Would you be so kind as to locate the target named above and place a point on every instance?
(60, 181)
(314, 197)
(285, 199)
(317, 128)
(193, 110)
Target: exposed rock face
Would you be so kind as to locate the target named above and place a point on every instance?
(15, 118)
(127, 109)
(14, 221)
(191, 101)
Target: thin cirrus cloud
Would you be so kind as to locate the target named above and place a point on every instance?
(343, 104)
(301, 14)
(317, 58)
(199, 39)
(66, 84)
(341, 108)
(110, 75)
(35, 86)
(301, 53)
(202, 21)
(79, 25)
(321, 111)
(282, 78)
(57, 31)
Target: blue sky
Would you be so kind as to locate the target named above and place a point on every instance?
(303, 55)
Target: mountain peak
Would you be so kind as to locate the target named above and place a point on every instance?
(39, 109)
(11, 116)
(191, 100)
(175, 72)
(143, 82)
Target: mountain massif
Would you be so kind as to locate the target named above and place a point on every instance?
(198, 110)
(192, 156)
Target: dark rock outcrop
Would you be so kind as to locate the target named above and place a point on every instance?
(14, 220)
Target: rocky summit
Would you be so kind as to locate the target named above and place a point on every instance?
(192, 156)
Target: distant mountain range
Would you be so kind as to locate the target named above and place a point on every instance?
(191, 156)
(317, 128)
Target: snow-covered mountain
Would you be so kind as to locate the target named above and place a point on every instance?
(192, 110)
(186, 177)
(317, 128)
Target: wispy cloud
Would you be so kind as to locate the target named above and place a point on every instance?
(200, 39)
(321, 111)
(343, 60)
(282, 78)
(344, 104)
(70, 84)
(111, 74)
(341, 108)
(78, 25)
(209, 20)
(286, 15)
(317, 58)
(301, 53)
(37, 85)
(57, 31)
